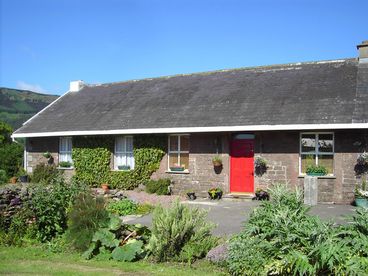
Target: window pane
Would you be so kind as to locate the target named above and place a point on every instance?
(120, 144)
(129, 144)
(308, 142)
(184, 160)
(130, 160)
(173, 143)
(184, 143)
(327, 162)
(173, 160)
(325, 142)
(307, 160)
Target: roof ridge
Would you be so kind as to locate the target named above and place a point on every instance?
(258, 67)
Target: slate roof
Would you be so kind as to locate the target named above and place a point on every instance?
(300, 93)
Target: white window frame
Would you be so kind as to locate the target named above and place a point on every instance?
(124, 153)
(67, 153)
(316, 150)
(176, 151)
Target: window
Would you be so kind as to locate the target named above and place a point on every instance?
(316, 149)
(178, 152)
(124, 158)
(65, 149)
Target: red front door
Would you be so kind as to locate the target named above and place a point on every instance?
(242, 166)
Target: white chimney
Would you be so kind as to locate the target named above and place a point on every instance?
(75, 86)
(363, 52)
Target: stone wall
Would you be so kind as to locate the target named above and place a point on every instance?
(36, 147)
(202, 175)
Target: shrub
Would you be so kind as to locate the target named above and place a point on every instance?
(280, 238)
(144, 208)
(159, 187)
(180, 233)
(3, 177)
(11, 158)
(122, 242)
(45, 173)
(50, 205)
(86, 215)
(122, 207)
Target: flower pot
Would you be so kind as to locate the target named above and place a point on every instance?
(217, 195)
(176, 169)
(23, 178)
(191, 196)
(124, 168)
(105, 187)
(217, 163)
(13, 180)
(315, 174)
(361, 202)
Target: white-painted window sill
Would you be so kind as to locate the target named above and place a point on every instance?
(319, 176)
(177, 172)
(63, 168)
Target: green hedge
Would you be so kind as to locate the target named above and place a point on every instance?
(92, 157)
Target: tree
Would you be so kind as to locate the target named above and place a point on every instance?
(11, 154)
(5, 132)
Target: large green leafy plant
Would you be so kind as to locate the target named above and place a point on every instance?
(180, 233)
(280, 238)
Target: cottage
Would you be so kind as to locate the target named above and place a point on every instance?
(290, 115)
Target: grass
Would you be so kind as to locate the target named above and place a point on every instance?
(38, 261)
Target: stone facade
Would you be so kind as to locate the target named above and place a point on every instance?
(279, 148)
(202, 175)
(36, 147)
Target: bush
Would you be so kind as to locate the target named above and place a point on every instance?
(50, 205)
(122, 207)
(3, 177)
(180, 233)
(159, 187)
(45, 173)
(11, 158)
(86, 215)
(280, 238)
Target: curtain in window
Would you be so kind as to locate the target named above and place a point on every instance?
(124, 152)
(65, 149)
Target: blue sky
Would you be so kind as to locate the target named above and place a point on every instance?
(44, 44)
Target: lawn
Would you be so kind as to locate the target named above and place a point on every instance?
(38, 261)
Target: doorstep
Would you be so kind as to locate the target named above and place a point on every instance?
(239, 196)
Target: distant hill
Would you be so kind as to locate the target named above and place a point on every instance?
(17, 106)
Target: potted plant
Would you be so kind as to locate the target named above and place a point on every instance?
(191, 195)
(22, 174)
(217, 161)
(261, 194)
(260, 165)
(65, 164)
(124, 168)
(316, 170)
(13, 180)
(47, 154)
(177, 168)
(215, 193)
(361, 195)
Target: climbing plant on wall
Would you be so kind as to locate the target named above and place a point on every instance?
(92, 158)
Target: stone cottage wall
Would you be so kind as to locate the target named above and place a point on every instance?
(35, 148)
(201, 176)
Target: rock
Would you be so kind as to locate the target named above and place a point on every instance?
(218, 254)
